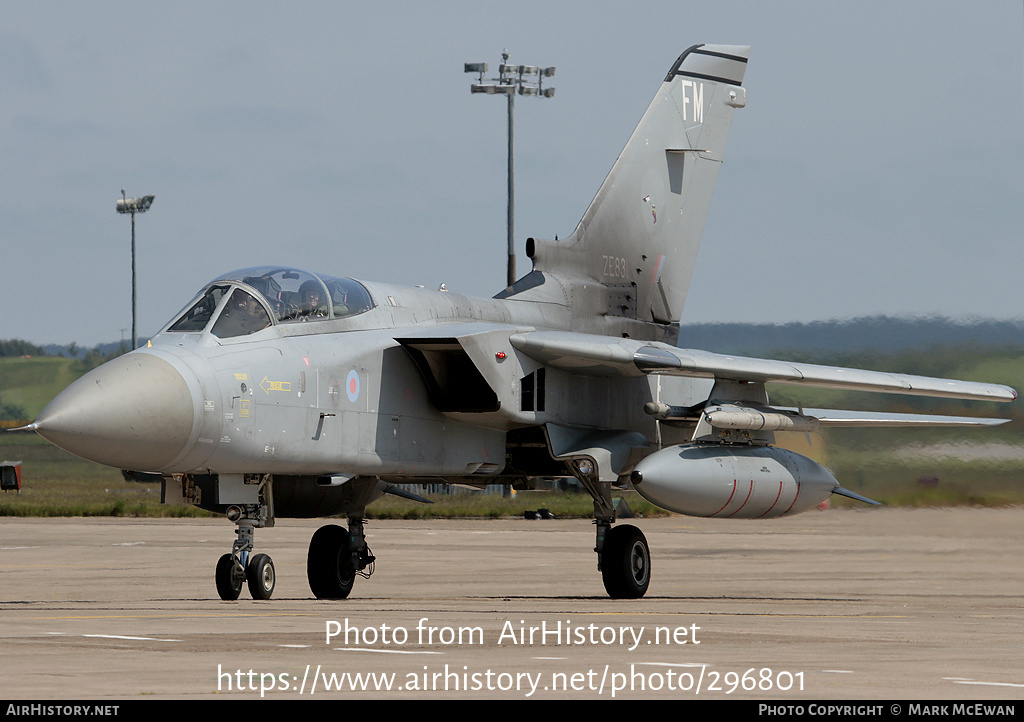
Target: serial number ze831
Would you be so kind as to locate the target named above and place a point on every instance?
(614, 267)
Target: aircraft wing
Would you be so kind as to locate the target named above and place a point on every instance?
(589, 353)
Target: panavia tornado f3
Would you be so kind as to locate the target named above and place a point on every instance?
(280, 393)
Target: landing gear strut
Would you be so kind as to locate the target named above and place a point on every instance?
(623, 556)
(240, 566)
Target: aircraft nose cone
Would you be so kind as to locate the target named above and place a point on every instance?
(134, 412)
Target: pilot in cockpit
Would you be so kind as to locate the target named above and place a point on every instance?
(242, 315)
(313, 305)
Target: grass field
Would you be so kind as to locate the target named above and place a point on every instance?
(55, 483)
(30, 383)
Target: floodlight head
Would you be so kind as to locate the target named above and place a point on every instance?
(475, 67)
(549, 72)
(549, 92)
(134, 205)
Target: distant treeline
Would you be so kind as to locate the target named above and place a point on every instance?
(872, 334)
(16, 347)
(85, 359)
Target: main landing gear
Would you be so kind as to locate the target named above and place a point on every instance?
(623, 557)
(625, 562)
(335, 557)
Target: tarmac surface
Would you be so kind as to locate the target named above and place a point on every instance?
(879, 604)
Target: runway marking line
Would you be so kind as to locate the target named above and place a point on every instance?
(744, 614)
(170, 616)
(133, 639)
(989, 684)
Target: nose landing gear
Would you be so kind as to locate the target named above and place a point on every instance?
(241, 566)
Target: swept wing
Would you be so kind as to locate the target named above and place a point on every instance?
(592, 354)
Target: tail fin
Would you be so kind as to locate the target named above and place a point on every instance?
(639, 237)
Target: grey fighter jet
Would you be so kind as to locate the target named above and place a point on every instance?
(279, 393)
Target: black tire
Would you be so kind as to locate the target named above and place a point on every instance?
(625, 563)
(229, 586)
(329, 565)
(260, 576)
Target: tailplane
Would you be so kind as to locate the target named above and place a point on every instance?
(639, 237)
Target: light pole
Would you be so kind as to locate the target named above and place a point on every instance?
(133, 206)
(526, 80)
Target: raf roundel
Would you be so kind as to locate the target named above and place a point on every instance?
(352, 385)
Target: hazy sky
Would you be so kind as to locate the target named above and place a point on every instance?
(877, 168)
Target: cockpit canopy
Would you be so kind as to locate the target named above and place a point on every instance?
(266, 295)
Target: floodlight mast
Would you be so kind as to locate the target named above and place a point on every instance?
(512, 78)
(133, 206)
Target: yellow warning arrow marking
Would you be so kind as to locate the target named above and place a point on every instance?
(269, 386)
